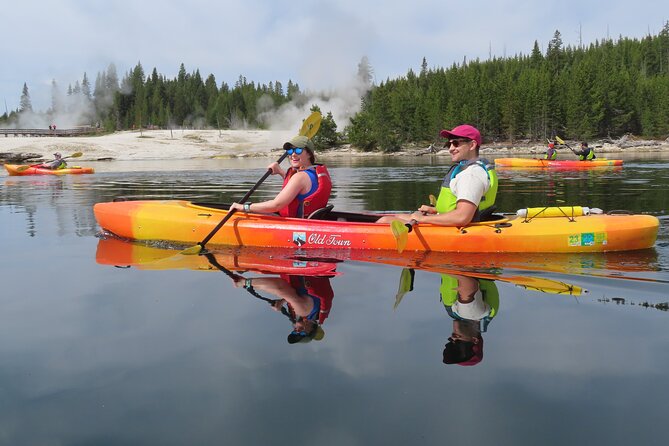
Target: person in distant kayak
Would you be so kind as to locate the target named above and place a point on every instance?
(469, 189)
(586, 153)
(472, 303)
(551, 153)
(57, 163)
(306, 185)
(307, 300)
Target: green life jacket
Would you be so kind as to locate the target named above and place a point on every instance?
(489, 291)
(551, 154)
(589, 156)
(447, 200)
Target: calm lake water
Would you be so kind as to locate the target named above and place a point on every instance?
(93, 352)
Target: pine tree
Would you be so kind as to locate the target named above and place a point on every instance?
(25, 104)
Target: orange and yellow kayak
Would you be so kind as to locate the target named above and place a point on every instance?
(564, 164)
(13, 170)
(184, 222)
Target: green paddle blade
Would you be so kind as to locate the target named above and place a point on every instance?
(406, 285)
(401, 234)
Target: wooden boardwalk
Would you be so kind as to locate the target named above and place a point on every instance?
(79, 131)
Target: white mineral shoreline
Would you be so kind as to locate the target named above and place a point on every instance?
(226, 144)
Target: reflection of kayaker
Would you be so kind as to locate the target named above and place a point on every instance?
(472, 303)
(307, 301)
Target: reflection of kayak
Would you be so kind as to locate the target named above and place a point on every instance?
(572, 164)
(184, 222)
(116, 252)
(119, 253)
(13, 169)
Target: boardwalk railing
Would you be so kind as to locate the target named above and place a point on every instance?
(46, 132)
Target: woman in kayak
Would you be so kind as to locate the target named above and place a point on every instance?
(306, 185)
(551, 153)
(470, 186)
(57, 163)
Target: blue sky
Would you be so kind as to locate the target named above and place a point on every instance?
(316, 43)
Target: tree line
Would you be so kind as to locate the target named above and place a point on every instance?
(606, 89)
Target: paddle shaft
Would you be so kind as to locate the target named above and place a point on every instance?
(243, 200)
(212, 259)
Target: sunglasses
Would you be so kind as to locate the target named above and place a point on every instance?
(458, 142)
(297, 150)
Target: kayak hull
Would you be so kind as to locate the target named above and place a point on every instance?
(184, 222)
(13, 170)
(572, 164)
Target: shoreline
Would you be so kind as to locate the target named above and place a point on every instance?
(226, 144)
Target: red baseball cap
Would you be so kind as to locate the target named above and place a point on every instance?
(463, 131)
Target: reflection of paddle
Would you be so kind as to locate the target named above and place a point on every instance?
(212, 259)
(26, 167)
(406, 285)
(309, 129)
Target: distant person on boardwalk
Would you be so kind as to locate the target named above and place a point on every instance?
(306, 185)
(57, 163)
(469, 189)
(586, 153)
(551, 153)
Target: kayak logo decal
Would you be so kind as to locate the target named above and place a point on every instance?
(588, 239)
(299, 238)
(320, 239)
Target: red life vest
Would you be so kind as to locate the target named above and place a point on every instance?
(304, 204)
(317, 288)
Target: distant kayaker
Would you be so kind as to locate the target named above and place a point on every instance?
(57, 163)
(472, 303)
(586, 153)
(551, 153)
(306, 185)
(469, 188)
(307, 302)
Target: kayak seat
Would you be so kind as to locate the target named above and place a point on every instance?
(321, 214)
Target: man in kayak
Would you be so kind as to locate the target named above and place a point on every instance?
(586, 153)
(57, 163)
(551, 153)
(468, 190)
(306, 185)
(472, 303)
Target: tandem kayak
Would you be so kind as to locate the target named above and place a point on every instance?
(185, 222)
(571, 164)
(13, 169)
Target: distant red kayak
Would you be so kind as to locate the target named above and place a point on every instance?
(13, 170)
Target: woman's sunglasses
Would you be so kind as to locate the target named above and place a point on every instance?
(297, 150)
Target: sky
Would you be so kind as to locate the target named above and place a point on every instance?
(315, 43)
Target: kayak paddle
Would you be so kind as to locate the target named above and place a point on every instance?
(561, 141)
(26, 167)
(309, 128)
(401, 230)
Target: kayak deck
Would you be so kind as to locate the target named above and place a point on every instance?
(184, 222)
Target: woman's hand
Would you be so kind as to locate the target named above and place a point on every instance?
(276, 169)
(237, 207)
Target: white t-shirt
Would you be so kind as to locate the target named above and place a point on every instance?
(471, 184)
